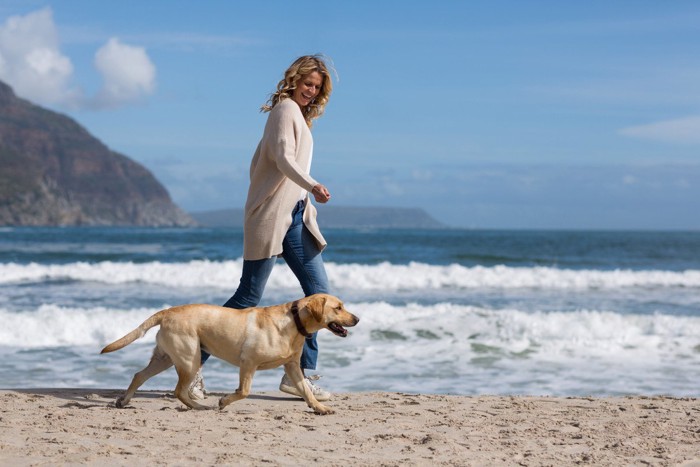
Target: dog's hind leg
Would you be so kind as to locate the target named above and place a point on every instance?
(245, 382)
(160, 361)
(182, 390)
(186, 372)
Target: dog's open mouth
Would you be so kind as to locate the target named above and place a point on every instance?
(338, 330)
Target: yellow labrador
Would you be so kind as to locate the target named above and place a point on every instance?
(252, 339)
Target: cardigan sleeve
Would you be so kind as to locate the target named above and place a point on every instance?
(285, 136)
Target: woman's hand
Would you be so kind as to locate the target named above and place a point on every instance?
(321, 194)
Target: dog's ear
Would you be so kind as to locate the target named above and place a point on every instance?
(315, 306)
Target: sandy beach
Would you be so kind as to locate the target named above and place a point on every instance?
(82, 426)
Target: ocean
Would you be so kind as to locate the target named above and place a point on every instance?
(565, 313)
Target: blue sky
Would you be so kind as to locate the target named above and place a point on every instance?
(488, 114)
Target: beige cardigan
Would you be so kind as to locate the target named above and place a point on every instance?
(275, 177)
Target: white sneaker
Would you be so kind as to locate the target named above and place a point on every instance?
(197, 391)
(319, 393)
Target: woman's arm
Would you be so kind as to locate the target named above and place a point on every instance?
(284, 134)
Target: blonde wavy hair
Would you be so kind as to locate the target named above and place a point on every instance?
(301, 67)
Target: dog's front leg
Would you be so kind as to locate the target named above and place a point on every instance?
(245, 382)
(294, 372)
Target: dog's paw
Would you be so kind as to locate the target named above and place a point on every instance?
(119, 403)
(323, 410)
(222, 403)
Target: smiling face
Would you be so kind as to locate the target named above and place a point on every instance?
(307, 88)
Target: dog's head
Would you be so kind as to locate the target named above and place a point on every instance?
(331, 314)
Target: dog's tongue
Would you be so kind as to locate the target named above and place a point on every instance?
(338, 329)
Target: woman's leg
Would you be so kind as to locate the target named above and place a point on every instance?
(305, 260)
(253, 279)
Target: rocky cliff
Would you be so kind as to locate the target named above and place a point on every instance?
(53, 172)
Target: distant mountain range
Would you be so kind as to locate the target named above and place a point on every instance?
(53, 172)
(337, 217)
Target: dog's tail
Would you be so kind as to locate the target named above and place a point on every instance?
(137, 333)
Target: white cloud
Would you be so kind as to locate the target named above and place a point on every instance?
(422, 175)
(629, 180)
(32, 63)
(682, 131)
(127, 72)
(30, 59)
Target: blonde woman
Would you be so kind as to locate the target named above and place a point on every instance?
(279, 217)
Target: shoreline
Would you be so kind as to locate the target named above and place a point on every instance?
(82, 426)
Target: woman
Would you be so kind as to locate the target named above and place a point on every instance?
(279, 218)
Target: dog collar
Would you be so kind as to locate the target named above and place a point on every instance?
(297, 320)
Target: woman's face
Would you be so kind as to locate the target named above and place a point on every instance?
(307, 88)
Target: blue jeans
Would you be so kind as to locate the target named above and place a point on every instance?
(303, 257)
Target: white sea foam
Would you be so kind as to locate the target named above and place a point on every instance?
(470, 350)
(445, 328)
(442, 348)
(55, 326)
(384, 276)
